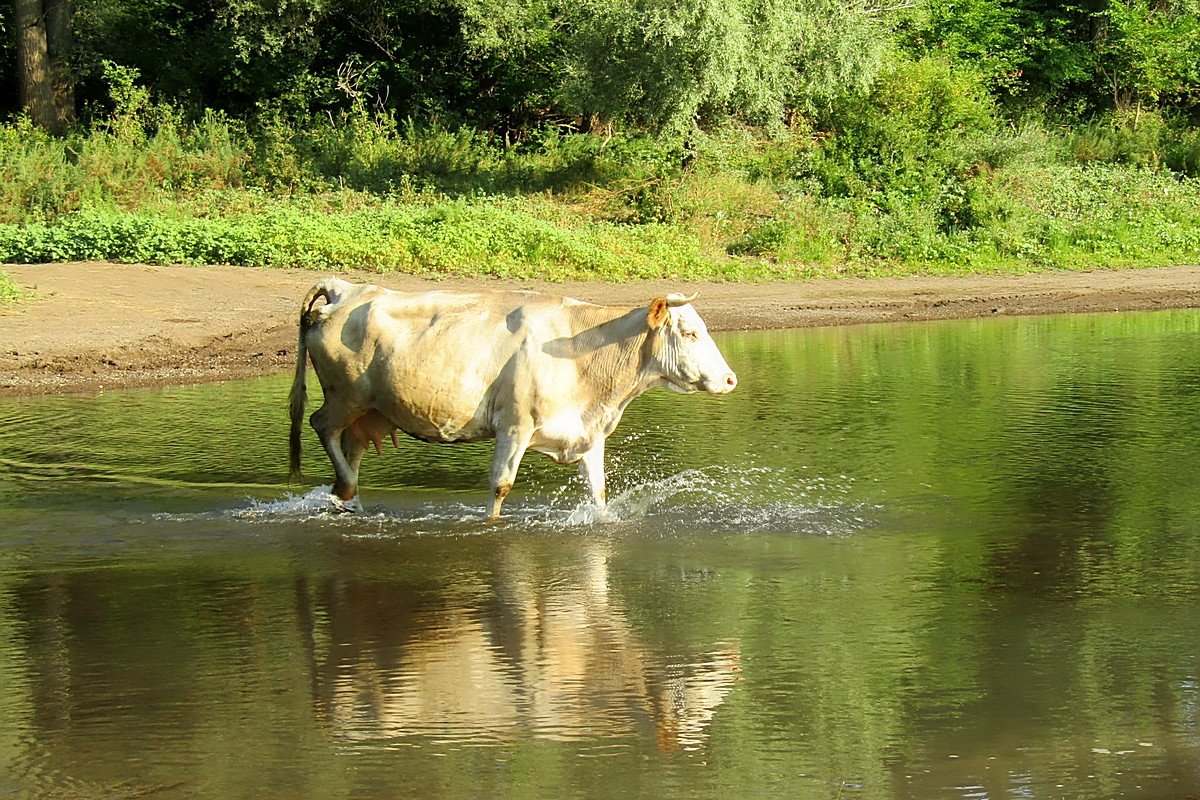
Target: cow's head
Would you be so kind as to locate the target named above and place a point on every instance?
(687, 356)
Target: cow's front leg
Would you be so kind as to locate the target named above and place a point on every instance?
(591, 469)
(510, 448)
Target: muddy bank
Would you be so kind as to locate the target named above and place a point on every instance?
(95, 326)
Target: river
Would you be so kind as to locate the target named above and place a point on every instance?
(954, 559)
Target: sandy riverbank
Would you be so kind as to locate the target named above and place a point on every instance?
(94, 326)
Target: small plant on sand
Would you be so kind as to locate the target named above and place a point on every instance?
(9, 291)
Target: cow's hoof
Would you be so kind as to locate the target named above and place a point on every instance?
(340, 506)
(591, 514)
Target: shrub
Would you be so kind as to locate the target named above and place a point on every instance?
(1181, 152)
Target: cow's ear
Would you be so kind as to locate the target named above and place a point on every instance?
(658, 312)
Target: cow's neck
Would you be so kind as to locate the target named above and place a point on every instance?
(615, 357)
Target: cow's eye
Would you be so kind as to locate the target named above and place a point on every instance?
(691, 335)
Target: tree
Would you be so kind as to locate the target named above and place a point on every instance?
(1028, 51)
(670, 65)
(658, 64)
(1150, 51)
(43, 50)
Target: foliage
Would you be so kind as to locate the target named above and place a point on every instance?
(1152, 140)
(453, 237)
(1031, 52)
(1151, 51)
(747, 207)
(660, 65)
(507, 66)
(510, 67)
(671, 66)
(901, 137)
(917, 170)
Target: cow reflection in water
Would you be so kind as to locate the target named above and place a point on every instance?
(528, 654)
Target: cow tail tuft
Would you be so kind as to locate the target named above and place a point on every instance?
(298, 398)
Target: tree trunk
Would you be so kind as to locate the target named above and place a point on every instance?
(47, 89)
(60, 44)
(33, 63)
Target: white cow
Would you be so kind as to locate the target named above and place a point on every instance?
(531, 371)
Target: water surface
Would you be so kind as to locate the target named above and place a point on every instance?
(940, 560)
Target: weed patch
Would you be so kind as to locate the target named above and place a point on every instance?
(9, 291)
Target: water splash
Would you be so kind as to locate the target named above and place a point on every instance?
(713, 499)
(321, 505)
(734, 500)
(319, 500)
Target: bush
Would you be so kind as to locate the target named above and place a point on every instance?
(900, 137)
(1182, 152)
(1151, 141)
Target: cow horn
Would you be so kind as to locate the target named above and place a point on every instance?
(675, 300)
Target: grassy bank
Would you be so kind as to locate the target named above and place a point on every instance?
(920, 190)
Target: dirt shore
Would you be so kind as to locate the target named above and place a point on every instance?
(95, 326)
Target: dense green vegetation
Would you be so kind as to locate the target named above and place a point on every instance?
(697, 138)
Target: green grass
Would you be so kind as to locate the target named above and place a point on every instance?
(496, 238)
(368, 193)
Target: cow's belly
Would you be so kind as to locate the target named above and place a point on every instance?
(564, 438)
(437, 424)
(435, 400)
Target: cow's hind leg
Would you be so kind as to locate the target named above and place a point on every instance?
(353, 447)
(330, 424)
(369, 429)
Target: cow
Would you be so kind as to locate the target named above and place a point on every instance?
(532, 371)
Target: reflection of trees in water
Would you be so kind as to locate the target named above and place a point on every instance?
(537, 651)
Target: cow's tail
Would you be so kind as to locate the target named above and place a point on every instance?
(298, 398)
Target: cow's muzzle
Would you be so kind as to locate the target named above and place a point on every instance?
(724, 386)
